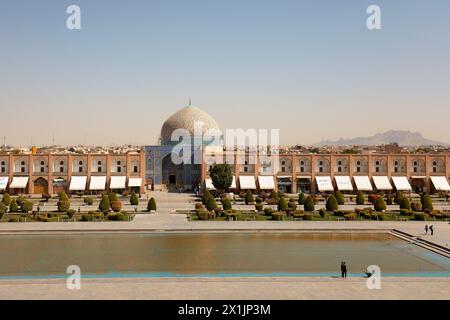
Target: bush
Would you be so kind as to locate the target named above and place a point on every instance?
(268, 211)
(405, 212)
(104, 205)
(116, 206)
(309, 204)
(416, 206)
(19, 200)
(379, 204)
(332, 204)
(212, 204)
(360, 198)
(62, 196)
(26, 206)
(390, 200)
(259, 207)
(14, 206)
(63, 205)
(205, 215)
(151, 206)
(301, 198)
(426, 201)
(134, 199)
(350, 216)
(3, 209)
(6, 200)
(259, 200)
(278, 216)
(339, 198)
(226, 204)
(322, 212)
(420, 216)
(292, 204)
(249, 197)
(275, 197)
(282, 204)
(70, 213)
(88, 201)
(205, 197)
(398, 196)
(404, 203)
(87, 217)
(307, 216)
(373, 198)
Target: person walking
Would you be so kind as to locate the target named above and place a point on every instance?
(431, 230)
(343, 269)
(426, 229)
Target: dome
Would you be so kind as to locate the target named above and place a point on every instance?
(185, 119)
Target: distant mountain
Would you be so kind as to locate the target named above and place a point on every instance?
(402, 137)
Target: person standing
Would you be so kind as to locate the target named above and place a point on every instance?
(426, 229)
(343, 269)
(431, 230)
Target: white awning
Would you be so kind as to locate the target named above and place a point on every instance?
(209, 185)
(78, 183)
(440, 183)
(134, 182)
(382, 183)
(363, 183)
(3, 182)
(97, 183)
(266, 182)
(247, 182)
(19, 183)
(343, 183)
(324, 183)
(401, 183)
(233, 183)
(117, 182)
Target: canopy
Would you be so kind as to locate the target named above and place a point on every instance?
(97, 183)
(19, 183)
(78, 183)
(382, 183)
(117, 182)
(440, 183)
(266, 182)
(324, 183)
(134, 182)
(3, 182)
(247, 182)
(363, 183)
(343, 183)
(233, 184)
(209, 184)
(401, 183)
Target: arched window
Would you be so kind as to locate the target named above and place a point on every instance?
(80, 166)
(119, 166)
(22, 167)
(434, 166)
(99, 166)
(3, 167)
(42, 166)
(358, 166)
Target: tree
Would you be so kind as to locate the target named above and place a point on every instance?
(249, 197)
(282, 204)
(332, 204)
(309, 204)
(206, 196)
(360, 198)
(274, 195)
(301, 198)
(398, 196)
(104, 205)
(151, 206)
(134, 199)
(226, 203)
(6, 199)
(3, 209)
(427, 204)
(405, 203)
(340, 198)
(221, 176)
(26, 206)
(112, 196)
(63, 206)
(212, 204)
(13, 207)
(379, 204)
(62, 196)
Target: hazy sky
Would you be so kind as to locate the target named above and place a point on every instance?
(310, 68)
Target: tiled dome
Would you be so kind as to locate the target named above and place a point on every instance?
(185, 119)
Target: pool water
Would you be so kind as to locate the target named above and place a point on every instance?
(225, 254)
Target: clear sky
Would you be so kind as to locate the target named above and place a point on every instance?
(310, 68)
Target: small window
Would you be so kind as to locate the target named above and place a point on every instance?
(80, 169)
(61, 169)
(119, 169)
(320, 169)
(320, 163)
(3, 169)
(135, 169)
(377, 169)
(434, 163)
(119, 163)
(377, 163)
(358, 163)
(415, 169)
(339, 169)
(358, 169)
(395, 163)
(339, 162)
(415, 163)
(395, 169)
(302, 163)
(99, 163)
(22, 163)
(80, 163)
(302, 169)
(434, 169)
(61, 163)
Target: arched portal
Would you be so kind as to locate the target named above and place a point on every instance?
(40, 186)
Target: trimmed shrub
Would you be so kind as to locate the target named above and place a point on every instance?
(88, 201)
(275, 197)
(404, 203)
(116, 206)
(292, 204)
(212, 204)
(339, 198)
(259, 200)
(112, 196)
(398, 196)
(322, 212)
(268, 211)
(134, 199)
(6, 200)
(282, 204)
(373, 197)
(416, 206)
(104, 205)
(62, 196)
(360, 198)
(70, 213)
(205, 215)
(226, 204)
(307, 216)
(14, 206)
(249, 197)
(309, 204)
(420, 216)
(332, 204)
(151, 206)
(63, 205)
(3, 209)
(405, 212)
(26, 206)
(301, 198)
(350, 216)
(379, 204)
(259, 207)
(278, 216)
(426, 201)
(19, 200)
(206, 196)
(389, 200)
